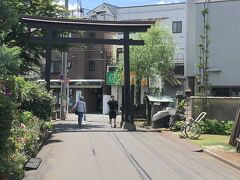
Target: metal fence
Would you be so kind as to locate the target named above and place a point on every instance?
(220, 108)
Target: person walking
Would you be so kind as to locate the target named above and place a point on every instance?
(80, 108)
(113, 106)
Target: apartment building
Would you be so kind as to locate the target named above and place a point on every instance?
(86, 67)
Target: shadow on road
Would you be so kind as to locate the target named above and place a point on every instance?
(51, 141)
(70, 127)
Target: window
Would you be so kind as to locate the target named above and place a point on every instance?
(56, 67)
(91, 66)
(177, 27)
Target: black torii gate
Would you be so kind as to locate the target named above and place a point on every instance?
(126, 27)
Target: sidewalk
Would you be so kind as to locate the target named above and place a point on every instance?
(230, 158)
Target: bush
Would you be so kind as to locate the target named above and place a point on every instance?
(12, 163)
(181, 106)
(33, 97)
(27, 129)
(178, 125)
(228, 127)
(20, 127)
(7, 115)
(46, 126)
(213, 126)
(22, 144)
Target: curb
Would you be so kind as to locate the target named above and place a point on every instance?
(221, 159)
(45, 139)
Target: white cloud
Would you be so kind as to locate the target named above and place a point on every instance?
(168, 1)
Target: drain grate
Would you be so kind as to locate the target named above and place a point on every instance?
(33, 163)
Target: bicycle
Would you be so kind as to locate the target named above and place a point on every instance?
(192, 128)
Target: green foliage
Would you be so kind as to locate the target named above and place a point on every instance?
(181, 107)
(203, 80)
(33, 97)
(46, 126)
(213, 126)
(178, 125)
(20, 131)
(19, 33)
(205, 11)
(9, 61)
(228, 126)
(7, 115)
(22, 144)
(11, 157)
(12, 163)
(7, 19)
(155, 56)
(28, 127)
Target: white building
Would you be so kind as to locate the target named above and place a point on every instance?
(224, 46)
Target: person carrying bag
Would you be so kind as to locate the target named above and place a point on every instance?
(80, 109)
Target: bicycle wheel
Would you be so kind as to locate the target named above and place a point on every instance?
(183, 127)
(193, 131)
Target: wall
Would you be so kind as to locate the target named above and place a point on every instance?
(224, 41)
(220, 108)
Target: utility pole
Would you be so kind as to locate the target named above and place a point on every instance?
(64, 98)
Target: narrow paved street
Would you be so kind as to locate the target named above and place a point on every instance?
(99, 152)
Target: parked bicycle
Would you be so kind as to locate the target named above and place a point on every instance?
(192, 128)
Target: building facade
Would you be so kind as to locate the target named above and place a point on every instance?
(86, 71)
(224, 54)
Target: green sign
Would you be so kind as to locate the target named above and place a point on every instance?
(113, 78)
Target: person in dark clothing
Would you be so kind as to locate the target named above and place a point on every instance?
(113, 106)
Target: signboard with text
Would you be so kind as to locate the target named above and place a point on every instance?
(113, 78)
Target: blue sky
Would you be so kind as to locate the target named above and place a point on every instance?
(90, 4)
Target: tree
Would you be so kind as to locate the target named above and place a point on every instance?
(152, 59)
(9, 61)
(7, 19)
(18, 35)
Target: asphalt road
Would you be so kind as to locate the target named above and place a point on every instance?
(99, 152)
